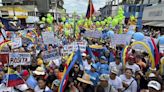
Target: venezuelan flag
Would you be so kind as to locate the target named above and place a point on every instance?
(14, 79)
(90, 9)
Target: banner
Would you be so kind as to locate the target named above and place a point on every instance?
(68, 49)
(19, 59)
(120, 39)
(16, 42)
(93, 34)
(50, 55)
(48, 37)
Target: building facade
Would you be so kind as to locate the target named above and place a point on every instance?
(31, 9)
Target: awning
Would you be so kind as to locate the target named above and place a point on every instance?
(161, 24)
(150, 23)
(155, 23)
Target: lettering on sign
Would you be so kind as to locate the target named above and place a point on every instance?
(50, 55)
(19, 58)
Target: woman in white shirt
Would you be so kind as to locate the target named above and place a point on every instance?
(129, 83)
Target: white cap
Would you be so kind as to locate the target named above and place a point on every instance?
(151, 75)
(83, 54)
(154, 84)
(104, 77)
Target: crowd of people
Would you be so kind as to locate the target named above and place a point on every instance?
(103, 73)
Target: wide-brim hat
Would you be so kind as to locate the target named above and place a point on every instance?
(39, 71)
(85, 79)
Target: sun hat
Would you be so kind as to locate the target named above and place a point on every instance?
(39, 71)
(104, 77)
(154, 84)
(114, 70)
(85, 79)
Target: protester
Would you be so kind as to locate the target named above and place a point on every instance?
(128, 82)
(85, 56)
(105, 85)
(114, 80)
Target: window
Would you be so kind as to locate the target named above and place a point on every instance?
(131, 9)
(138, 9)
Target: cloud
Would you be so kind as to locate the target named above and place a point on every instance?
(80, 6)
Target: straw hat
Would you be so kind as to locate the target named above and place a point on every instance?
(114, 70)
(39, 71)
(85, 79)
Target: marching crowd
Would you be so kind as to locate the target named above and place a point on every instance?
(106, 72)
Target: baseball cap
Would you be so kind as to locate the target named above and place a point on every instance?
(154, 84)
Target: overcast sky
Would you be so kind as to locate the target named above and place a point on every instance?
(80, 6)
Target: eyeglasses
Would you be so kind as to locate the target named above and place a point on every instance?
(76, 67)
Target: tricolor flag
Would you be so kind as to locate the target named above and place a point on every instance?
(14, 79)
(90, 9)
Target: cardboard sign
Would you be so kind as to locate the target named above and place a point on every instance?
(16, 42)
(68, 49)
(93, 34)
(52, 55)
(120, 39)
(19, 59)
(48, 37)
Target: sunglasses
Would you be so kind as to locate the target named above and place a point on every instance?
(76, 67)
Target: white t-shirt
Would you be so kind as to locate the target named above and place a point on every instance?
(134, 67)
(37, 89)
(109, 88)
(119, 67)
(117, 83)
(86, 65)
(132, 87)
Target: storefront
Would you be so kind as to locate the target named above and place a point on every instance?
(153, 17)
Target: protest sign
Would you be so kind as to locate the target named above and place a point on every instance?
(48, 37)
(50, 55)
(93, 34)
(118, 39)
(16, 42)
(19, 59)
(68, 49)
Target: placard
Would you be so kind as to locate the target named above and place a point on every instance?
(48, 37)
(16, 42)
(50, 55)
(120, 39)
(68, 49)
(19, 59)
(93, 34)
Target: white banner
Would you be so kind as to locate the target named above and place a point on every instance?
(19, 59)
(120, 39)
(68, 49)
(48, 37)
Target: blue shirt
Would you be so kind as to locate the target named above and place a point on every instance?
(94, 77)
(103, 69)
